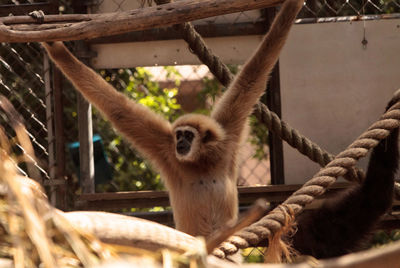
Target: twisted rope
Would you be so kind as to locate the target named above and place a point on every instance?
(274, 221)
(301, 143)
(200, 49)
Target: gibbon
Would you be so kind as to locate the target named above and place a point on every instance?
(196, 155)
(345, 222)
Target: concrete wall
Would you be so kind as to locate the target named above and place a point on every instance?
(232, 50)
(332, 87)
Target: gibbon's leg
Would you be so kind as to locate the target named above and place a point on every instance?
(148, 132)
(238, 101)
(344, 222)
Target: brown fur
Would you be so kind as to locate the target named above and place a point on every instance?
(279, 250)
(202, 187)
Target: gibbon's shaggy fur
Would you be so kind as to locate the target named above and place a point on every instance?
(344, 223)
(196, 155)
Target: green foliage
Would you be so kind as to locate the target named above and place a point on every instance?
(253, 255)
(384, 237)
(259, 138)
(212, 88)
(131, 171)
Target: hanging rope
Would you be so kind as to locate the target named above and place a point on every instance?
(300, 142)
(275, 220)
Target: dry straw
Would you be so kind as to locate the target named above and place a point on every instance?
(34, 234)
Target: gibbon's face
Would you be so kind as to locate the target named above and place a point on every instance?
(196, 136)
(187, 143)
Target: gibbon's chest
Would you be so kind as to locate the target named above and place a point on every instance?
(204, 204)
(207, 186)
(210, 189)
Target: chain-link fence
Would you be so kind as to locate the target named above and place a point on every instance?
(25, 82)
(311, 9)
(331, 8)
(22, 83)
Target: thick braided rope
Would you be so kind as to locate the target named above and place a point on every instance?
(205, 55)
(273, 222)
(300, 142)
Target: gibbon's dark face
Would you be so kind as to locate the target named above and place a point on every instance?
(184, 140)
(187, 143)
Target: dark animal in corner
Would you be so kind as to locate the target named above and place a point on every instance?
(344, 223)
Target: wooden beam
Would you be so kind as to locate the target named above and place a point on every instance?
(389, 221)
(89, 26)
(147, 199)
(59, 130)
(169, 33)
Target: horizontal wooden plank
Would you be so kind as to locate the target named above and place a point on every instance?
(123, 195)
(169, 33)
(389, 222)
(247, 195)
(148, 199)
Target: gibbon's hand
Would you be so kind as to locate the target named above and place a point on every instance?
(38, 15)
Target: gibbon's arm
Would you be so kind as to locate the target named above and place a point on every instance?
(149, 133)
(237, 102)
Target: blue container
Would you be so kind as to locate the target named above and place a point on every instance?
(103, 172)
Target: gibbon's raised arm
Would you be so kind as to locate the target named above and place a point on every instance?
(238, 101)
(148, 132)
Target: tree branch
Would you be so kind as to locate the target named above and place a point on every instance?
(88, 26)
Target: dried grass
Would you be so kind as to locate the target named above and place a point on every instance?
(34, 234)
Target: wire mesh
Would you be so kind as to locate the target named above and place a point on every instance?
(22, 83)
(330, 8)
(311, 9)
